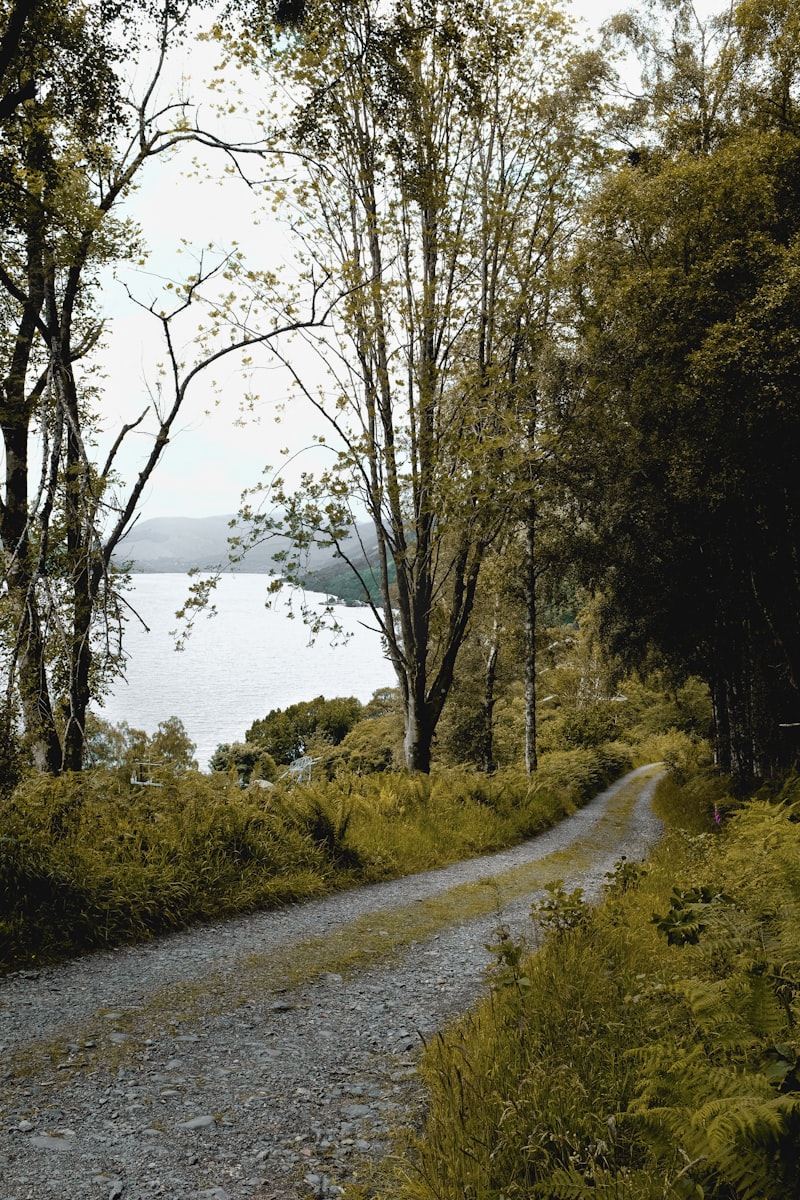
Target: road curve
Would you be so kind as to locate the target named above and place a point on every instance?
(240, 1059)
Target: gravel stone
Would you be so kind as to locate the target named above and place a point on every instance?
(285, 1093)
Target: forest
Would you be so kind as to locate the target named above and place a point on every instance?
(539, 299)
(522, 260)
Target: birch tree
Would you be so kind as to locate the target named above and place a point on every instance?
(437, 139)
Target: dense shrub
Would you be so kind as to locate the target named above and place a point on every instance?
(131, 751)
(371, 746)
(12, 758)
(91, 861)
(289, 733)
(245, 760)
(633, 1055)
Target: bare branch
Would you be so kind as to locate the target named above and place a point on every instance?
(123, 433)
(181, 384)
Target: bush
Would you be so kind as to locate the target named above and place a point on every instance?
(680, 752)
(246, 760)
(287, 734)
(371, 747)
(12, 759)
(132, 752)
(92, 861)
(621, 1062)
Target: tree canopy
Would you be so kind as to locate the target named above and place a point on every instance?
(687, 292)
(545, 313)
(440, 148)
(72, 146)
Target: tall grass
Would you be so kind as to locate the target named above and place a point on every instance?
(90, 860)
(634, 1057)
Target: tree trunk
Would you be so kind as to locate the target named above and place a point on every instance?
(28, 649)
(488, 765)
(775, 575)
(529, 591)
(722, 727)
(418, 739)
(733, 712)
(28, 652)
(41, 735)
(80, 666)
(79, 521)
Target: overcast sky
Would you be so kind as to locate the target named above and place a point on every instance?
(212, 456)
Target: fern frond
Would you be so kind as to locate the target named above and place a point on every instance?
(599, 1184)
(734, 1120)
(736, 1134)
(733, 1014)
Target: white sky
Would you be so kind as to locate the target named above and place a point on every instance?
(212, 456)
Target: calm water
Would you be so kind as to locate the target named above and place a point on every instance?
(237, 665)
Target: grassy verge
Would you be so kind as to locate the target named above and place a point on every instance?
(634, 1057)
(90, 861)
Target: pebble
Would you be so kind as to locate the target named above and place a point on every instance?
(46, 1141)
(238, 1105)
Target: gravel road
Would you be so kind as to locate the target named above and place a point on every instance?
(197, 1067)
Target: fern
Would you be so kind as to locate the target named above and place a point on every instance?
(730, 1120)
(598, 1183)
(635, 1067)
(746, 1135)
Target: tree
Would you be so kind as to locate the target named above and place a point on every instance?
(466, 729)
(545, 529)
(246, 759)
(437, 146)
(169, 750)
(71, 151)
(289, 733)
(688, 294)
(43, 211)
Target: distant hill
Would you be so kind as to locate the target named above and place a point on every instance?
(180, 544)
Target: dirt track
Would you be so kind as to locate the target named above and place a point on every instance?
(241, 1060)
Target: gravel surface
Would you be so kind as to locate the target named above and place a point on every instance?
(172, 1070)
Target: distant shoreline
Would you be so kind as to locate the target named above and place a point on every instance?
(180, 545)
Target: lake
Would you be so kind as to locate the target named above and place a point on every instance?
(238, 664)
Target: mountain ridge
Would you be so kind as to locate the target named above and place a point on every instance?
(162, 545)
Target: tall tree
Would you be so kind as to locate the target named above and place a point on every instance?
(70, 153)
(437, 142)
(688, 293)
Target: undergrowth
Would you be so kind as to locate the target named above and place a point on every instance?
(91, 861)
(649, 1049)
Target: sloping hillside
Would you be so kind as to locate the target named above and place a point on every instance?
(180, 544)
